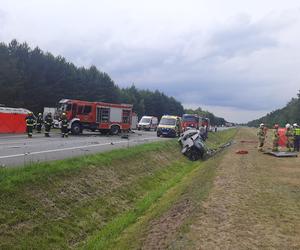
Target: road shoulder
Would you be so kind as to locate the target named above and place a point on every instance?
(254, 203)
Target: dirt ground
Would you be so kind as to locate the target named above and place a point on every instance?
(254, 204)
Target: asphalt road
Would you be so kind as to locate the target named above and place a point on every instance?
(18, 150)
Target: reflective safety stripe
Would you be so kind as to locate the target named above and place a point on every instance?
(297, 131)
(29, 125)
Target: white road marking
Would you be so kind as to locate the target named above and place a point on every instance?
(72, 148)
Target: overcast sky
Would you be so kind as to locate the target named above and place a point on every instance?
(238, 59)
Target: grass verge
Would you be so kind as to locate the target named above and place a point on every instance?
(86, 201)
(194, 187)
(194, 179)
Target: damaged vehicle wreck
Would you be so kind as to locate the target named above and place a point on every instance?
(193, 145)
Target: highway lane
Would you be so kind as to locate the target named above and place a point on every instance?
(18, 150)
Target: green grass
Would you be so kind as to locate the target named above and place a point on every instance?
(12, 178)
(106, 237)
(218, 139)
(87, 201)
(194, 186)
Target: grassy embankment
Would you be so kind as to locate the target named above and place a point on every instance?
(89, 201)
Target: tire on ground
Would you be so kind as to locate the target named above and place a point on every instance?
(194, 155)
(76, 128)
(114, 130)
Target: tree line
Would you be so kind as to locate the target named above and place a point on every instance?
(34, 79)
(214, 120)
(289, 114)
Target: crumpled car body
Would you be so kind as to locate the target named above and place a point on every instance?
(193, 145)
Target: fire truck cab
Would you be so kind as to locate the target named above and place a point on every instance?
(100, 116)
(190, 121)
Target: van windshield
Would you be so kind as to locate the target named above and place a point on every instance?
(145, 120)
(168, 121)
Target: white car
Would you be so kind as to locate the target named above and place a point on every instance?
(56, 123)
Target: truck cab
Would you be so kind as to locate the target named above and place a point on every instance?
(190, 121)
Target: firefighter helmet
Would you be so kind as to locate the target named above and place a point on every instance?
(261, 125)
(288, 125)
(295, 125)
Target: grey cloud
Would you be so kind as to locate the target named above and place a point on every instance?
(3, 17)
(243, 37)
(226, 94)
(195, 67)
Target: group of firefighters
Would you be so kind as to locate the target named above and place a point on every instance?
(292, 134)
(31, 121)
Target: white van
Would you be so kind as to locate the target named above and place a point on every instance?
(148, 123)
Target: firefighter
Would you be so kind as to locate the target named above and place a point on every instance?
(29, 124)
(48, 123)
(289, 133)
(296, 137)
(64, 126)
(39, 123)
(275, 138)
(261, 137)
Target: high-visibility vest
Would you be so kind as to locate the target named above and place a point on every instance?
(297, 131)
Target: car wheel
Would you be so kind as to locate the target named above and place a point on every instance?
(194, 155)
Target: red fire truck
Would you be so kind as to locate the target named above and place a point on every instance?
(104, 117)
(190, 121)
(204, 122)
(194, 121)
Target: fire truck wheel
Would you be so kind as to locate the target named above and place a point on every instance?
(76, 129)
(114, 130)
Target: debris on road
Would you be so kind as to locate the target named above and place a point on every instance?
(242, 152)
(282, 154)
(247, 141)
(125, 136)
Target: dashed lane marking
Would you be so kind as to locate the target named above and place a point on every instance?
(73, 148)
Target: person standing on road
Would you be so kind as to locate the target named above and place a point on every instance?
(261, 137)
(48, 123)
(296, 137)
(29, 124)
(39, 123)
(289, 133)
(64, 126)
(275, 138)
